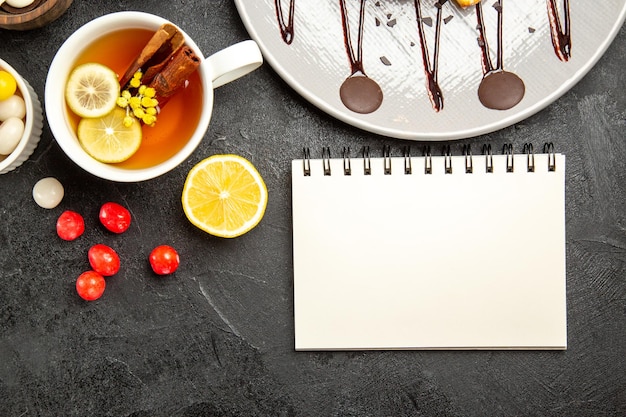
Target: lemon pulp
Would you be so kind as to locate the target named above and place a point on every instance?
(224, 195)
(92, 90)
(107, 139)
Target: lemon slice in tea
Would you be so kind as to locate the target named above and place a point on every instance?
(107, 139)
(92, 90)
(224, 195)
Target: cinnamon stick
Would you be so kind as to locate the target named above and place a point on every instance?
(162, 45)
(174, 74)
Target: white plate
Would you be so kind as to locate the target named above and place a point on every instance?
(315, 64)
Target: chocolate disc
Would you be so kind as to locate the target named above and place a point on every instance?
(501, 90)
(361, 94)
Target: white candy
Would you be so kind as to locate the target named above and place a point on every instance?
(11, 131)
(13, 106)
(48, 192)
(18, 4)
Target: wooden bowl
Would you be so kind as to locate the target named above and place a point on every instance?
(38, 14)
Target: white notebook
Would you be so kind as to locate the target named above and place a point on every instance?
(441, 260)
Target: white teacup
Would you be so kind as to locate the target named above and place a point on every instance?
(216, 70)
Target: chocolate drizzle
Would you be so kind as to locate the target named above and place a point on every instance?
(431, 70)
(286, 28)
(499, 89)
(560, 31)
(358, 92)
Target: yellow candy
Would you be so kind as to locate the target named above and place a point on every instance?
(8, 85)
(467, 3)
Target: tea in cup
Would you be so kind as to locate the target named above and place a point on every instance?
(118, 42)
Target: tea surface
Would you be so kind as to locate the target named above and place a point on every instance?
(177, 120)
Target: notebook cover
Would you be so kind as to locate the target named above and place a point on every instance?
(437, 261)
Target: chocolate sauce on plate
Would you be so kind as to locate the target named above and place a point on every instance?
(286, 28)
(431, 70)
(499, 89)
(358, 92)
(560, 31)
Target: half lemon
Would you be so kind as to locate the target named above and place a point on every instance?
(106, 138)
(92, 90)
(224, 195)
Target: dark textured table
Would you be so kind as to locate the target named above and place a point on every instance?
(216, 338)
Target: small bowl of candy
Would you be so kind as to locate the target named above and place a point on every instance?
(30, 14)
(21, 119)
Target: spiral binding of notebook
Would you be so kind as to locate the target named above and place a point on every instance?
(429, 252)
(427, 157)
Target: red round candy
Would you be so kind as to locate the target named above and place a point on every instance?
(104, 260)
(164, 260)
(114, 217)
(90, 285)
(70, 225)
